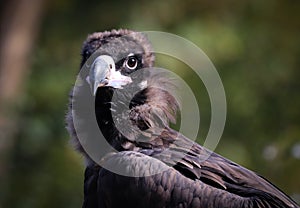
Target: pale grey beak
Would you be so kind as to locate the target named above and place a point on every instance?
(103, 73)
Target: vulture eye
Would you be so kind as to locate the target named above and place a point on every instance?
(131, 62)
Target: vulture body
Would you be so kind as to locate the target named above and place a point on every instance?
(162, 168)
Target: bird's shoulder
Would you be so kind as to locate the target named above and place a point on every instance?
(198, 163)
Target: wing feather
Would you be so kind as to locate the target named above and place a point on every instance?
(196, 162)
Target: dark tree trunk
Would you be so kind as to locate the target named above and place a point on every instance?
(19, 25)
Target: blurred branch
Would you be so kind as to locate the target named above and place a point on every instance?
(19, 26)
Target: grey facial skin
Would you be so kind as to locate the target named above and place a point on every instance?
(103, 73)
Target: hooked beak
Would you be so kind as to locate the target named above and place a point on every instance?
(103, 74)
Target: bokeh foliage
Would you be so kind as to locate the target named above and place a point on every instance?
(254, 45)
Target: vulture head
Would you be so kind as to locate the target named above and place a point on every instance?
(126, 90)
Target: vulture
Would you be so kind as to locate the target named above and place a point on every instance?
(159, 167)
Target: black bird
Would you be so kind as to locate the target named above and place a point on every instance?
(174, 173)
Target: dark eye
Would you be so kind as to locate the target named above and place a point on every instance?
(131, 62)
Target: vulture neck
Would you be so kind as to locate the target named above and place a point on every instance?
(151, 109)
(105, 121)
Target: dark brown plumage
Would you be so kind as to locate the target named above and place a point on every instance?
(151, 145)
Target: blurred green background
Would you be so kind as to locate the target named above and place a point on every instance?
(254, 45)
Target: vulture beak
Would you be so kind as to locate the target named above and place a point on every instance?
(103, 74)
